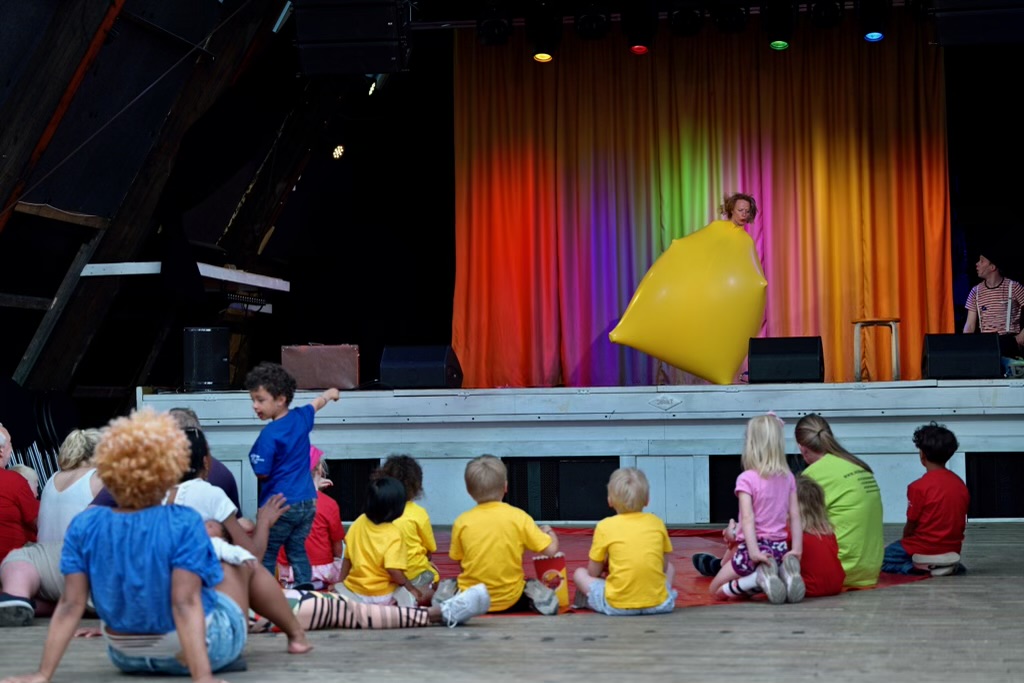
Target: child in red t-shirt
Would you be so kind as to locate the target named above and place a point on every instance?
(820, 566)
(324, 543)
(936, 511)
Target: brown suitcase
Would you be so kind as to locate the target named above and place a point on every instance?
(319, 366)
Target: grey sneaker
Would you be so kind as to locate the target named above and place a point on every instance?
(790, 572)
(16, 611)
(768, 581)
(544, 599)
(470, 603)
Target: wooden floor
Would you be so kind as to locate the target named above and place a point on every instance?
(942, 629)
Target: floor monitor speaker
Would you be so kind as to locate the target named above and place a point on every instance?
(773, 360)
(420, 367)
(961, 356)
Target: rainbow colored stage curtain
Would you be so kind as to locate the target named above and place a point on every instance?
(573, 177)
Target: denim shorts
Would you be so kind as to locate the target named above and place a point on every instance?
(597, 602)
(226, 630)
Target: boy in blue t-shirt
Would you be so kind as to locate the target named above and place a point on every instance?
(280, 459)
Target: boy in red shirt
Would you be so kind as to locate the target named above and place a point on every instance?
(936, 511)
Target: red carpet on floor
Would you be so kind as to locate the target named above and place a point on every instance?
(692, 588)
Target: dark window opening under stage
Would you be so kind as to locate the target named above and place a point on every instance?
(994, 481)
(561, 489)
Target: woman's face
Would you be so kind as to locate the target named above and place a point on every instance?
(810, 457)
(740, 212)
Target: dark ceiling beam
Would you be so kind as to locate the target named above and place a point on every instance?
(62, 216)
(60, 62)
(132, 226)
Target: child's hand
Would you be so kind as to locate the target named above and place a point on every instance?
(756, 556)
(332, 395)
(729, 533)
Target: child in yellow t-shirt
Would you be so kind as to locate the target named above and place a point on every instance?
(488, 542)
(414, 523)
(376, 559)
(632, 550)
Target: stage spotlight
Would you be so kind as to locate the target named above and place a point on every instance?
(730, 16)
(873, 15)
(777, 20)
(640, 24)
(686, 18)
(593, 21)
(543, 29)
(338, 152)
(494, 25)
(827, 13)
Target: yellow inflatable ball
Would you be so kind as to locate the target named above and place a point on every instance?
(699, 304)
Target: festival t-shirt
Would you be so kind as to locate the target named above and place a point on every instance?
(854, 504)
(280, 457)
(419, 540)
(938, 502)
(634, 545)
(770, 498)
(58, 508)
(373, 549)
(488, 541)
(129, 558)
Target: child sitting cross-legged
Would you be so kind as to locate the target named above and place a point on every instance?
(374, 566)
(488, 542)
(632, 550)
(936, 511)
(414, 523)
(820, 567)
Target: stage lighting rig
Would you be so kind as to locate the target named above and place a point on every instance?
(543, 29)
(494, 24)
(730, 16)
(874, 16)
(686, 18)
(593, 21)
(827, 13)
(640, 25)
(777, 20)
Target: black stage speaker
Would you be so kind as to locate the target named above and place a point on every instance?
(420, 367)
(352, 36)
(774, 360)
(961, 356)
(206, 358)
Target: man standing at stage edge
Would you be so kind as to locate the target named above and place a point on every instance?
(995, 304)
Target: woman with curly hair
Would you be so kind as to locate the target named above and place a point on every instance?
(194, 621)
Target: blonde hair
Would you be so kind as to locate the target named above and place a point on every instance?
(814, 433)
(628, 490)
(764, 449)
(30, 476)
(140, 457)
(486, 477)
(813, 512)
(78, 448)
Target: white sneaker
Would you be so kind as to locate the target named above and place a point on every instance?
(938, 565)
(768, 581)
(790, 571)
(468, 604)
(446, 590)
(545, 600)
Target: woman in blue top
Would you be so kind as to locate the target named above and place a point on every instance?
(166, 603)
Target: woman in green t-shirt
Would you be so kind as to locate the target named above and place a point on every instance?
(852, 497)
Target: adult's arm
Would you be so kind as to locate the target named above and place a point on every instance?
(972, 321)
(266, 516)
(190, 622)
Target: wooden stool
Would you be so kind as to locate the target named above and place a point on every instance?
(894, 326)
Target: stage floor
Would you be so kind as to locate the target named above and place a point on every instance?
(940, 629)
